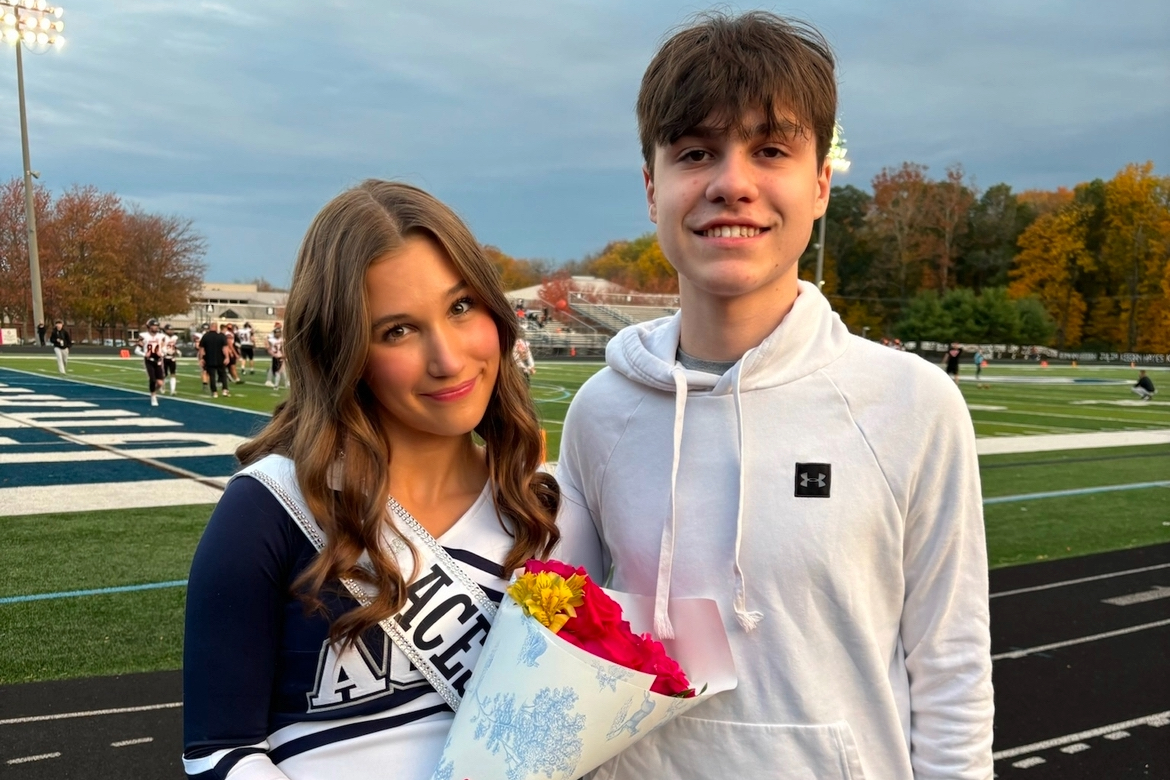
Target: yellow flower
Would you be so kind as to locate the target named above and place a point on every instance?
(548, 597)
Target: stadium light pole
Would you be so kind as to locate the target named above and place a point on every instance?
(38, 25)
(839, 164)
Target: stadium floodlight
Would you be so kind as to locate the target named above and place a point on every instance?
(37, 25)
(839, 164)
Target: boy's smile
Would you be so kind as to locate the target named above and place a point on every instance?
(734, 209)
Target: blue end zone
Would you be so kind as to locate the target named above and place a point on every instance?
(197, 437)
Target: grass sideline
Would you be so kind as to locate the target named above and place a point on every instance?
(142, 631)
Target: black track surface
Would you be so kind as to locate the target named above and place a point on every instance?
(1039, 697)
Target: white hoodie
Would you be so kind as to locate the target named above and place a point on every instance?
(858, 622)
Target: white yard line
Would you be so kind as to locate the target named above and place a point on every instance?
(1079, 641)
(43, 499)
(90, 713)
(28, 759)
(1080, 580)
(128, 742)
(1070, 441)
(1156, 719)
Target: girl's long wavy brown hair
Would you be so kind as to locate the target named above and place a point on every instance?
(331, 417)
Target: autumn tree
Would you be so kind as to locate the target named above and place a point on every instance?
(516, 273)
(164, 265)
(637, 265)
(1135, 249)
(85, 235)
(1053, 257)
(945, 219)
(995, 223)
(101, 262)
(896, 221)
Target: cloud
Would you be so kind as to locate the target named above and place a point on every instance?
(247, 118)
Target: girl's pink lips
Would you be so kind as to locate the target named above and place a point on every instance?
(455, 393)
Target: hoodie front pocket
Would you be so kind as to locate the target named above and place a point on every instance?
(696, 749)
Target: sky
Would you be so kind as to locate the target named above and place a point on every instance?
(247, 117)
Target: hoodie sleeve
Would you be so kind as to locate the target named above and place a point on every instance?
(579, 473)
(945, 619)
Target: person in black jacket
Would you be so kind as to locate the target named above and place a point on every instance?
(213, 356)
(61, 342)
(1144, 386)
(40, 334)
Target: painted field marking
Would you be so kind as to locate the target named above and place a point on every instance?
(1116, 735)
(92, 592)
(123, 389)
(1159, 592)
(1076, 747)
(128, 742)
(104, 442)
(1078, 581)
(1079, 641)
(983, 408)
(1029, 762)
(1122, 402)
(96, 496)
(1149, 720)
(90, 713)
(27, 759)
(1071, 441)
(1076, 492)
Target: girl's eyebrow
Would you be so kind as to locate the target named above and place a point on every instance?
(387, 318)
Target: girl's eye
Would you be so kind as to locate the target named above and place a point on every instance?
(394, 332)
(462, 306)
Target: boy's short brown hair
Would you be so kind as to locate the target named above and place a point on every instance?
(722, 66)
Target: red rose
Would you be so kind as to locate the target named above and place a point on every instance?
(556, 567)
(599, 629)
(598, 614)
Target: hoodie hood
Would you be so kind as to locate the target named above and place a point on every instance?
(810, 337)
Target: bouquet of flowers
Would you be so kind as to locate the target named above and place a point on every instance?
(566, 680)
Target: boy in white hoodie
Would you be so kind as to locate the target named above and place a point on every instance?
(823, 490)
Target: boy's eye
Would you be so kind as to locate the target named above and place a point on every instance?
(694, 155)
(772, 152)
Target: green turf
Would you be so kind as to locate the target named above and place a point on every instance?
(142, 631)
(82, 550)
(1031, 531)
(92, 635)
(1037, 472)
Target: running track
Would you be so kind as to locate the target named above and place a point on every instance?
(1082, 648)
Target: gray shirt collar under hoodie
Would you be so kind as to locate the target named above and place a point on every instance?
(809, 337)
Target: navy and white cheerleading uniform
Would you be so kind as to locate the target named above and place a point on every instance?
(265, 695)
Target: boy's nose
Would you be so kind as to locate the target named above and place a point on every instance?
(733, 180)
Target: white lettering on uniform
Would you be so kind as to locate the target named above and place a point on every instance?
(348, 677)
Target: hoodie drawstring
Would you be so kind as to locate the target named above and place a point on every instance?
(662, 627)
(749, 620)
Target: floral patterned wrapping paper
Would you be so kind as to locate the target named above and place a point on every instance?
(538, 707)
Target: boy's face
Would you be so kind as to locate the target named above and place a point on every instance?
(735, 213)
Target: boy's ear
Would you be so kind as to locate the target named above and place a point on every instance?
(824, 186)
(651, 205)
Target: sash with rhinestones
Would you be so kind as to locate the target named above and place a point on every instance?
(445, 620)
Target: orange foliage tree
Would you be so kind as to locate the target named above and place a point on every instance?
(1052, 259)
(102, 264)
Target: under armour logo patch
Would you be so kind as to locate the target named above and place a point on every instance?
(813, 480)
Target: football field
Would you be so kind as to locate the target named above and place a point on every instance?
(103, 499)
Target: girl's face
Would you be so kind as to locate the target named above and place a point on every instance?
(435, 351)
